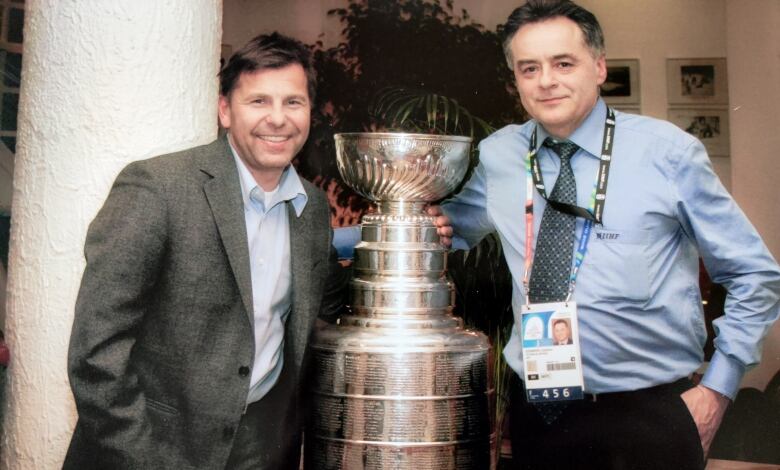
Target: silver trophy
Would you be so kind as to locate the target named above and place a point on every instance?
(399, 383)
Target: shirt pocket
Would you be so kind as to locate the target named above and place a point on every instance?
(618, 264)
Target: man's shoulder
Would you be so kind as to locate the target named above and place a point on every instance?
(180, 160)
(653, 130)
(506, 143)
(510, 132)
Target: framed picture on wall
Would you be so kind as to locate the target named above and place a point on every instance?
(697, 81)
(622, 83)
(711, 126)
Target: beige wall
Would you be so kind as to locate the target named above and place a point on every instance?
(651, 31)
(306, 20)
(754, 87)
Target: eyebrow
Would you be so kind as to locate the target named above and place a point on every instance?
(564, 56)
(557, 57)
(253, 96)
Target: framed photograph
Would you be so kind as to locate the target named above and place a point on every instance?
(697, 81)
(711, 126)
(622, 83)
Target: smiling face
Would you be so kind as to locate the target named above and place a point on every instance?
(267, 115)
(556, 74)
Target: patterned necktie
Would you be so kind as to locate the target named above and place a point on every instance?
(554, 248)
(555, 243)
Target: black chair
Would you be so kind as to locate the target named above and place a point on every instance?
(750, 430)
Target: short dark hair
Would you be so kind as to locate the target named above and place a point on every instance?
(535, 11)
(268, 51)
(560, 321)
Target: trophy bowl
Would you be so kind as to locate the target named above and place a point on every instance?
(389, 166)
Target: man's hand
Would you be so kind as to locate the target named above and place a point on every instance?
(706, 407)
(443, 225)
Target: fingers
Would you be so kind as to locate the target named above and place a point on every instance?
(443, 225)
(707, 408)
(444, 229)
(441, 221)
(434, 210)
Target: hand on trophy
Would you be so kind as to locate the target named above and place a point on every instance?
(443, 225)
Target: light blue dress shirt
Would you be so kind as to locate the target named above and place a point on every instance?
(345, 239)
(640, 316)
(268, 234)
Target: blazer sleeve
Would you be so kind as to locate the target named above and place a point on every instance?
(336, 291)
(124, 249)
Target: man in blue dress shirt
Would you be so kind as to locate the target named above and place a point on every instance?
(641, 326)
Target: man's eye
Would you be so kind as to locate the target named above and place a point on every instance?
(295, 102)
(565, 65)
(528, 69)
(258, 101)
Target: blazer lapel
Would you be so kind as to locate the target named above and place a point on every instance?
(223, 192)
(301, 259)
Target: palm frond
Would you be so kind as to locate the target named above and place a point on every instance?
(412, 110)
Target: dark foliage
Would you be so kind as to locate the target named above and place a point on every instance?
(409, 44)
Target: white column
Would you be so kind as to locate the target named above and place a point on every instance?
(754, 73)
(104, 83)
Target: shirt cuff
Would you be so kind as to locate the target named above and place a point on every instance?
(345, 239)
(723, 375)
(459, 243)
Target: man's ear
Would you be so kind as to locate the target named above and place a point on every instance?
(223, 111)
(601, 69)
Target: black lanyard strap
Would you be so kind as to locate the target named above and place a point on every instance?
(600, 188)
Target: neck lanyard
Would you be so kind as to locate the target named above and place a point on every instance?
(593, 214)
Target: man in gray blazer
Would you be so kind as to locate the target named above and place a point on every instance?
(206, 270)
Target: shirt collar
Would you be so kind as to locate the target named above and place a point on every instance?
(589, 136)
(290, 187)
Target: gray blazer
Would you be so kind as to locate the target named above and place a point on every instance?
(162, 339)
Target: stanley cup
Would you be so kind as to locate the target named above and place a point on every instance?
(399, 383)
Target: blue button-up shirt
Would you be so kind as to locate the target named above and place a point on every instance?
(268, 234)
(639, 308)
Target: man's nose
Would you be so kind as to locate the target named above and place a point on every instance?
(547, 78)
(276, 116)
